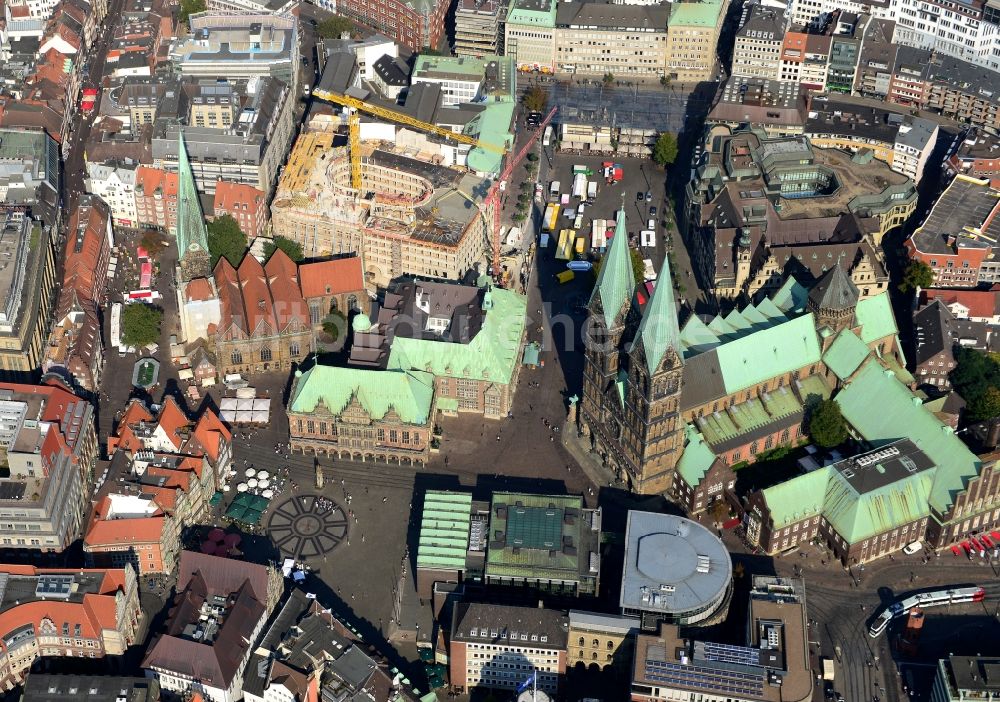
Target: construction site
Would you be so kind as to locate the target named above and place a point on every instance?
(410, 216)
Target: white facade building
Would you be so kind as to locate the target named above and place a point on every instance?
(970, 32)
(116, 186)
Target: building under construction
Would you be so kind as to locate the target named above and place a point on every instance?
(410, 216)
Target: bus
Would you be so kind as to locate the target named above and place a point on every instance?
(551, 218)
(564, 250)
(931, 598)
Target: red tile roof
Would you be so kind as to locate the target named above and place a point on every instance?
(981, 303)
(283, 282)
(333, 277)
(230, 195)
(149, 179)
(199, 289)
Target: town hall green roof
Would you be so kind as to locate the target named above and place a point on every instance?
(616, 279)
(900, 414)
(492, 355)
(408, 393)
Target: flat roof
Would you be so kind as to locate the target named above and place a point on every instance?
(672, 564)
(961, 211)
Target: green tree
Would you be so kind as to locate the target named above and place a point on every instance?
(333, 27)
(827, 425)
(986, 406)
(334, 323)
(977, 379)
(153, 242)
(665, 149)
(225, 238)
(917, 275)
(190, 7)
(141, 324)
(664, 80)
(608, 78)
(536, 99)
(292, 248)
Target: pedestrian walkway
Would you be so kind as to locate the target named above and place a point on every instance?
(579, 448)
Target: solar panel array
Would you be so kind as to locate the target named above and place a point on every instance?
(698, 677)
(726, 653)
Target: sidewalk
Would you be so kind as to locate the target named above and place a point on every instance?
(579, 448)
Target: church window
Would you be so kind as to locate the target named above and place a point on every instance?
(236, 357)
(265, 354)
(293, 348)
(753, 449)
(315, 314)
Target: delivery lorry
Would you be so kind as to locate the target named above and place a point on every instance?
(579, 185)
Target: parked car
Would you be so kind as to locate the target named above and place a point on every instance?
(652, 212)
(639, 197)
(649, 196)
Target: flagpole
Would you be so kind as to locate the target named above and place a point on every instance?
(534, 686)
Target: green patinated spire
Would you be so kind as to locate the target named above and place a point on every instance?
(616, 281)
(192, 234)
(659, 330)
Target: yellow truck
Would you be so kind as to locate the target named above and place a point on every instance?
(565, 276)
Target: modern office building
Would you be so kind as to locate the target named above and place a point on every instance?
(545, 543)
(958, 240)
(479, 27)
(963, 678)
(773, 665)
(676, 571)
(51, 448)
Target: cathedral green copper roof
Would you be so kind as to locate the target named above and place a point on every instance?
(658, 329)
(191, 229)
(900, 414)
(874, 315)
(492, 355)
(771, 352)
(616, 280)
(845, 354)
(408, 393)
(696, 459)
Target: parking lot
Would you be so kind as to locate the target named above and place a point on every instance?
(639, 178)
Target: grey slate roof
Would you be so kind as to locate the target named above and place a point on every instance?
(834, 291)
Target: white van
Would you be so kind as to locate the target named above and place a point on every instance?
(912, 548)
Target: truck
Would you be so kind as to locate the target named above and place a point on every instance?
(617, 172)
(598, 236)
(581, 245)
(579, 185)
(564, 249)
(554, 188)
(565, 276)
(547, 136)
(582, 169)
(89, 100)
(592, 190)
(827, 669)
(550, 218)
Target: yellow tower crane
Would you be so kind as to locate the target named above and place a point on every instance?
(385, 113)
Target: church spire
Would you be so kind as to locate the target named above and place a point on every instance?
(192, 234)
(659, 329)
(616, 281)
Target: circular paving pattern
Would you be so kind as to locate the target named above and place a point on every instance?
(307, 526)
